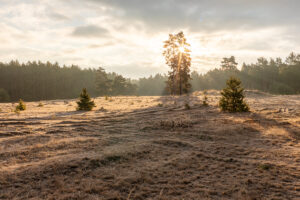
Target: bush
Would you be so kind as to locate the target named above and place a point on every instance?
(204, 102)
(85, 102)
(232, 99)
(21, 106)
(187, 106)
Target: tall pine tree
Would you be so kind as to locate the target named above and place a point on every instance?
(103, 83)
(177, 55)
(232, 99)
(229, 64)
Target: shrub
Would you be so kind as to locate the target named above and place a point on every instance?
(85, 102)
(187, 106)
(232, 99)
(21, 106)
(204, 102)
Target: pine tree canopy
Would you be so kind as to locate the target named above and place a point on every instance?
(177, 55)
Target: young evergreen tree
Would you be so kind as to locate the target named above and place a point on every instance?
(85, 102)
(232, 99)
(21, 106)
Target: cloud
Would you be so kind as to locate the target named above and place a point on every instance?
(205, 15)
(57, 16)
(90, 31)
(109, 43)
(126, 36)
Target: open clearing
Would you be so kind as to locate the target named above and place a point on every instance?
(151, 148)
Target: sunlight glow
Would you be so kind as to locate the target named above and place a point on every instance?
(181, 49)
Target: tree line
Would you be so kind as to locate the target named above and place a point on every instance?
(274, 75)
(34, 81)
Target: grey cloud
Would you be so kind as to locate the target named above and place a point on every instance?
(90, 31)
(57, 16)
(206, 15)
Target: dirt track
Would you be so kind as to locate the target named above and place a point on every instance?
(151, 148)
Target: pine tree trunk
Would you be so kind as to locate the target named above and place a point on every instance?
(180, 87)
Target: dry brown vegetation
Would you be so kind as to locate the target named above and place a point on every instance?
(131, 148)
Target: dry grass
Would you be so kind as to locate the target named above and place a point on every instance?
(132, 148)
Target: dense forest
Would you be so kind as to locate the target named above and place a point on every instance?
(40, 81)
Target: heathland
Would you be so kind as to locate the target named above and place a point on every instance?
(158, 147)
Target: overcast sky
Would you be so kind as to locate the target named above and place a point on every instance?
(126, 36)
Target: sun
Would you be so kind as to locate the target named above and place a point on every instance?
(181, 49)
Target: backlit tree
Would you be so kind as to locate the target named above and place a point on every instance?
(177, 55)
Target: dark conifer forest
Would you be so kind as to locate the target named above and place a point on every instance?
(33, 81)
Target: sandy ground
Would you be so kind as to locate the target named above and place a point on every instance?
(151, 148)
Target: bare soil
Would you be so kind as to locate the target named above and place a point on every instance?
(151, 148)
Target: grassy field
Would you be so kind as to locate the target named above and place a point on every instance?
(151, 148)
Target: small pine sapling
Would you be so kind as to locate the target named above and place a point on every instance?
(85, 102)
(232, 99)
(21, 106)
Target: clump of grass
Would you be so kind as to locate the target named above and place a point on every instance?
(110, 99)
(187, 106)
(105, 161)
(102, 109)
(160, 105)
(40, 104)
(265, 166)
(21, 106)
(106, 98)
(66, 102)
(171, 124)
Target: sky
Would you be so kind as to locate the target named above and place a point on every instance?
(126, 36)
